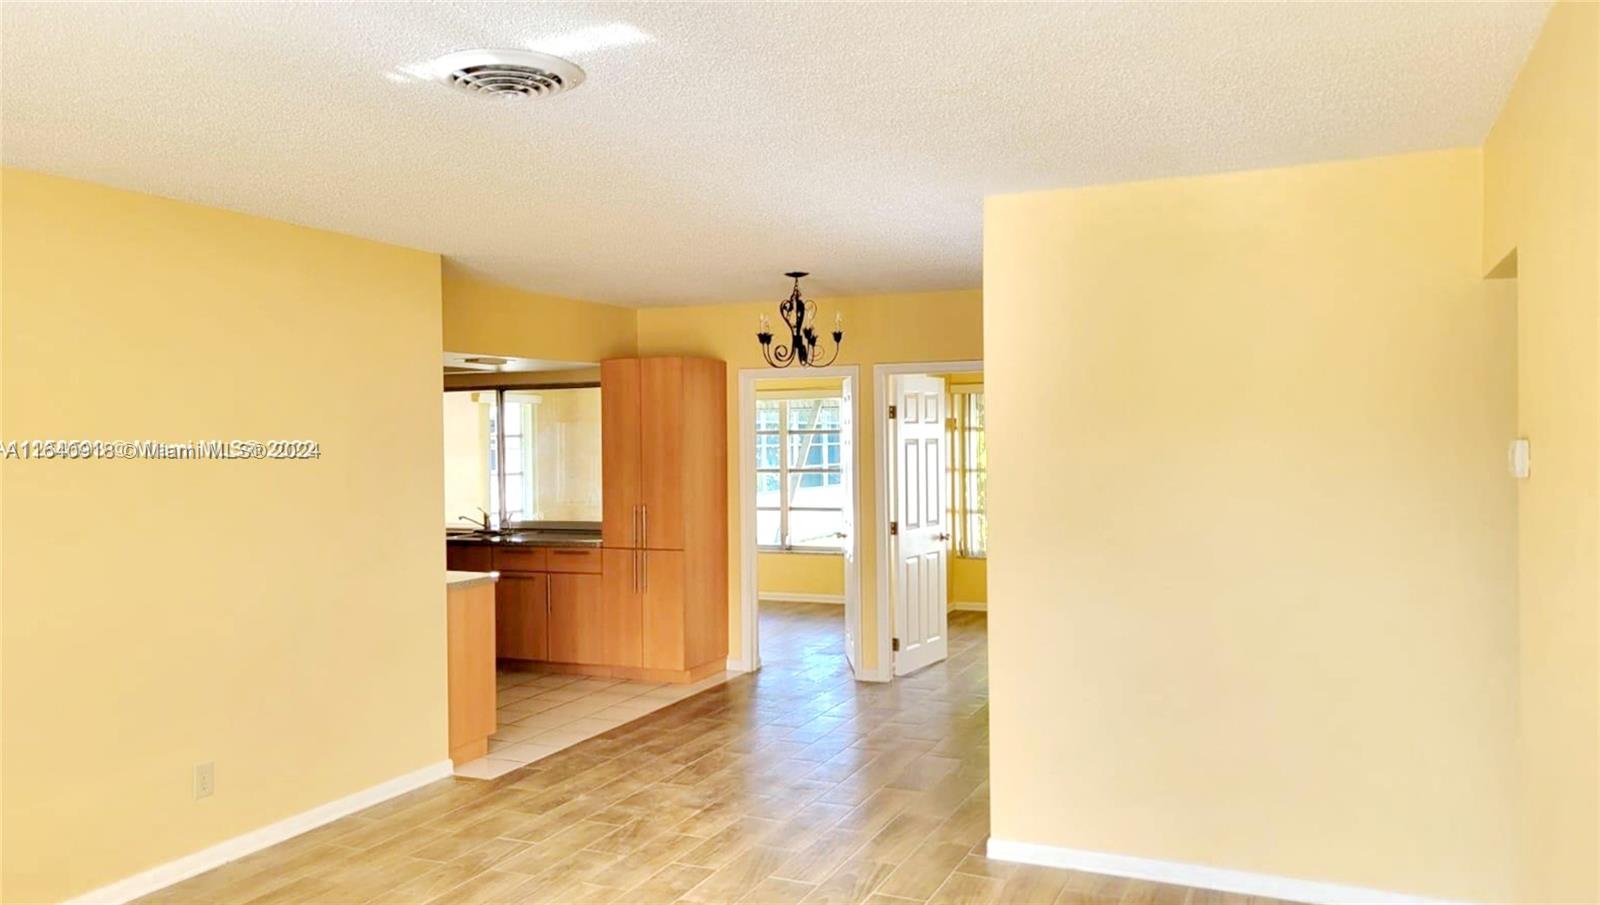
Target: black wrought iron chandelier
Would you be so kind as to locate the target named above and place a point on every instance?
(799, 315)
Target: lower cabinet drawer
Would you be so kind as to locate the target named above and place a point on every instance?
(519, 559)
(575, 559)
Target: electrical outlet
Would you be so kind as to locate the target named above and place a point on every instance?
(205, 780)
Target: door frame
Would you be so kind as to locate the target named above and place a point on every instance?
(883, 474)
(749, 613)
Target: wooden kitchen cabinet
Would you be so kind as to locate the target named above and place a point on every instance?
(665, 486)
(620, 441)
(468, 558)
(577, 627)
(521, 616)
(621, 618)
(662, 601)
(662, 407)
(470, 653)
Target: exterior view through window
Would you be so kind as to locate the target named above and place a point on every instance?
(800, 500)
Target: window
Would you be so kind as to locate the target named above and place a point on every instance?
(522, 455)
(800, 500)
(969, 473)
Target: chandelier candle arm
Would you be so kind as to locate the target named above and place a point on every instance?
(799, 314)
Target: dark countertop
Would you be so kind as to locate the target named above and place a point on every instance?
(530, 538)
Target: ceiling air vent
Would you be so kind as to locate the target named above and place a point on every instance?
(509, 73)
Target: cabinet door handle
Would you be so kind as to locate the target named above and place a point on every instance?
(644, 555)
(646, 510)
(636, 525)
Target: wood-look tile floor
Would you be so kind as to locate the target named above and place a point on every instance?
(794, 784)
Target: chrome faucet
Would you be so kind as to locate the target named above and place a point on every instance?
(468, 518)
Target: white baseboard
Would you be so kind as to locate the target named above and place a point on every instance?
(162, 876)
(802, 598)
(972, 606)
(1198, 875)
(738, 665)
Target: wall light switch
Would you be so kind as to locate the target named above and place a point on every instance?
(1518, 456)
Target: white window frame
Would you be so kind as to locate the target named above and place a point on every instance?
(783, 471)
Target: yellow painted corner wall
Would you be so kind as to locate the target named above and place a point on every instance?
(930, 326)
(1541, 202)
(282, 619)
(487, 318)
(1258, 561)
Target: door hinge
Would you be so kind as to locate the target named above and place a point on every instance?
(894, 412)
(894, 528)
(894, 644)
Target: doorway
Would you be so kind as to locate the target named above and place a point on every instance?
(932, 476)
(800, 503)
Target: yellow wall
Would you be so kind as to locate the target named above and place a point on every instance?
(935, 326)
(804, 574)
(466, 457)
(969, 581)
(1541, 202)
(1257, 559)
(284, 619)
(489, 319)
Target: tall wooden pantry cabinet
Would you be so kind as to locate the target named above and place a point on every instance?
(664, 441)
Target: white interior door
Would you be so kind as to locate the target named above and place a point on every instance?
(918, 543)
(847, 543)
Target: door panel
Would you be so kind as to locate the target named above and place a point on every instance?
(520, 617)
(661, 420)
(920, 550)
(662, 580)
(576, 625)
(619, 626)
(619, 452)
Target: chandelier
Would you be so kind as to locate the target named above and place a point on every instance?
(799, 316)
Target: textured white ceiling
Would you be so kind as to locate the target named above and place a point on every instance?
(715, 146)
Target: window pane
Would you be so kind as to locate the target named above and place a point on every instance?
(815, 529)
(767, 489)
(767, 527)
(813, 414)
(823, 490)
(767, 414)
(814, 450)
(517, 502)
(767, 451)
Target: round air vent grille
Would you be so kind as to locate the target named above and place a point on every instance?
(509, 73)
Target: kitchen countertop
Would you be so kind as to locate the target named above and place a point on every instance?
(455, 580)
(530, 538)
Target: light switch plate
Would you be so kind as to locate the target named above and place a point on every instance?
(1517, 457)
